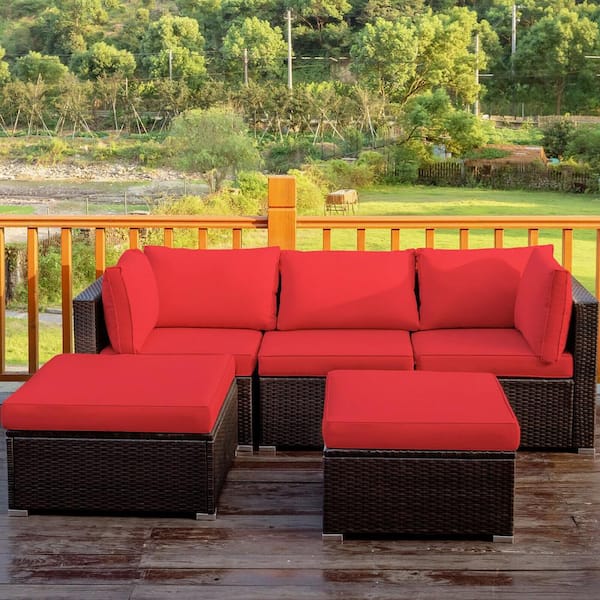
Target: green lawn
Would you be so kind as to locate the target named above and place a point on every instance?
(435, 201)
(16, 209)
(16, 341)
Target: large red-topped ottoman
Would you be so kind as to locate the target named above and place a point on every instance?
(122, 434)
(418, 453)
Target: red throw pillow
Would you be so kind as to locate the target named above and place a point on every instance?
(130, 302)
(470, 288)
(216, 288)
(543, 306)
(347, 290)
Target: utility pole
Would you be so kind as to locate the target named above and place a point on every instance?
(289, 40)
(476, 107)
(246, 67)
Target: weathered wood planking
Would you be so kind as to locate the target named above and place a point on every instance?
(266, 544)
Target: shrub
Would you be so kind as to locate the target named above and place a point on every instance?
(310, 197)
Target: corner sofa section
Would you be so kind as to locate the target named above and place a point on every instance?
(290, 317)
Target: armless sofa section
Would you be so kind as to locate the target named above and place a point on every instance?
(290, 317)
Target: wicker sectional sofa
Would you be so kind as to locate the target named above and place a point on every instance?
(289, 317)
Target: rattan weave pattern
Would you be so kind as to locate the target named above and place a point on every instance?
(583, 343)
(91, 337)
(291, 411)
(122, 473)
(418, 493)
(552, 413)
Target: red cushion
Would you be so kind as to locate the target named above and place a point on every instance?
(470, 288)
(347, 290)
(543, 306)
(130, 301)
(216, 288)
(243, 344)
(395, 410)
(123, 392)
(315, 352)
(503, 352)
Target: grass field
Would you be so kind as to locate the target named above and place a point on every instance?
(416, 200)
(435, 201)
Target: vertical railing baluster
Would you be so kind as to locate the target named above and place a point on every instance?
(395, 239)
(168, 237)
(33, 316)
(202, 238)
(498, 238)
(2, 301)
(429, 237)
(236, 238)
(533, 237)
(326, 239)
(134, 237)
(567, 249)
(66, 264)
(100, 249)
(361, 239)
(463, 236)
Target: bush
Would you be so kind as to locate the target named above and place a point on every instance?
(292, 153)
(310, 197)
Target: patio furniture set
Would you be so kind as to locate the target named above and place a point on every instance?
(420, 371)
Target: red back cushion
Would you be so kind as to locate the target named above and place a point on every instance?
(130, 301)
(347, 290)
(543, 306)
(470, 288)
(216, 288)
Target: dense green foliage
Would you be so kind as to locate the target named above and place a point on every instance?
(192, 52)
(404, 74)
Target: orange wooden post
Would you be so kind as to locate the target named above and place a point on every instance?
(100, 251)
(66, 262)
(282, 211)
(33, 304)
(2, 301)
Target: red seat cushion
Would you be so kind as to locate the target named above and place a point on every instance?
(543, 306)
(315, 352)
(130, 301)
(412, 410)
(123, 392)
(243, 344)
(503, 352)
(347, 290)
(470, 288)
(216, 288)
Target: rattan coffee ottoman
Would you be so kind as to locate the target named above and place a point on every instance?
(418, 454)
(122, 434)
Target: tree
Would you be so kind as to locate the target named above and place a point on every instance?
(214, 142)
(4, 70)
(263, 45)
(33, 66)
(103, 60)
(553, 50)
(412, 55)
(173, 48)
(556, 137)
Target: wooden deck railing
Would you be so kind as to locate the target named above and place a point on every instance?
(282, 226)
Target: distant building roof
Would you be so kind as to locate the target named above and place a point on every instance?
(516, 154)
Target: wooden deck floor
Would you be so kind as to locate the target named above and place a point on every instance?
(266, 544)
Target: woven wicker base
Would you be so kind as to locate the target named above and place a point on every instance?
(91, 472)
(291, 410)
(418, 493)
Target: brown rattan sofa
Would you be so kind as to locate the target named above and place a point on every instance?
(354, 310)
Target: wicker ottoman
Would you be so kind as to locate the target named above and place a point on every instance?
(418, 453)
(122, 434)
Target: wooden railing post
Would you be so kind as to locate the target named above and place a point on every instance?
(282, 211)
